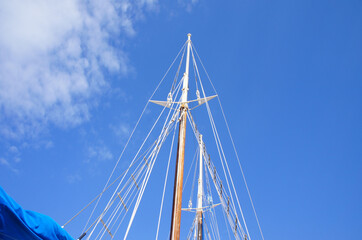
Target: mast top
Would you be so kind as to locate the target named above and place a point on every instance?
(189, 36)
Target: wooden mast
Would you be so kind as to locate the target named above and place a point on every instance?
(177, 194)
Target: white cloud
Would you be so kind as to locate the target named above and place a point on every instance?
(96, 157)
(188, 4)
(122, 131)
(7, 164)
(99, 153)
(53, 55)
(13, 150)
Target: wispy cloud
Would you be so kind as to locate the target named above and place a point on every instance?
(99, 153)
(188, 4)
(122, 131)
(96, 156)
(7, 164)
(53, 56)
(14, 152)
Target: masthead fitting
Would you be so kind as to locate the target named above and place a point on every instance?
(189, 36)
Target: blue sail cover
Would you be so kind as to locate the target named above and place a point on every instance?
(20, 224)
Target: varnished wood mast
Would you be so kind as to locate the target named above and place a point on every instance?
(177, 194)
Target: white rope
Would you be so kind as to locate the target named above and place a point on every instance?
(172, 121)
(94, 199)
(230, 218)
(218, 143)
(193, 125)
(208, 232)
(115, 211)
(143, 186)
(106, 209)
(178, 69)
(232, 183)
(211, 227)
(196, 155)
(127, 171)
(213, 128)
(164, 186)
(222, 158)
(212, 210)
(136, 173)
(130, 138)
(232, 141)
(192, 228)
(146, 180)
(113, 202)
(226, 224)
(134, 197)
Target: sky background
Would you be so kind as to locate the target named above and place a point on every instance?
(75, 76)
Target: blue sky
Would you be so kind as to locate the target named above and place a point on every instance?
(74, 78)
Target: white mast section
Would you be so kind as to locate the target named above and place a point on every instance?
(200, 192)
(185, 87)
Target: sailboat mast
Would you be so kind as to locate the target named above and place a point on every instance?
(200, 193)
(177, 194)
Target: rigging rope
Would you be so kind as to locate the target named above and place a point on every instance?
(131, 186)
(179, 67)
(143, 186)
(106, 209)
(139, 119)
(128, 190)
(164, 186)
(218, 143)
(219, 147)
(124, 172)
(127, 170)
(216, 179)
(143, 172)
(193, 180)
(212, 210)
(233, 144)
(164, 129)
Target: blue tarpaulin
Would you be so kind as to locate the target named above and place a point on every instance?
(19, 224)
